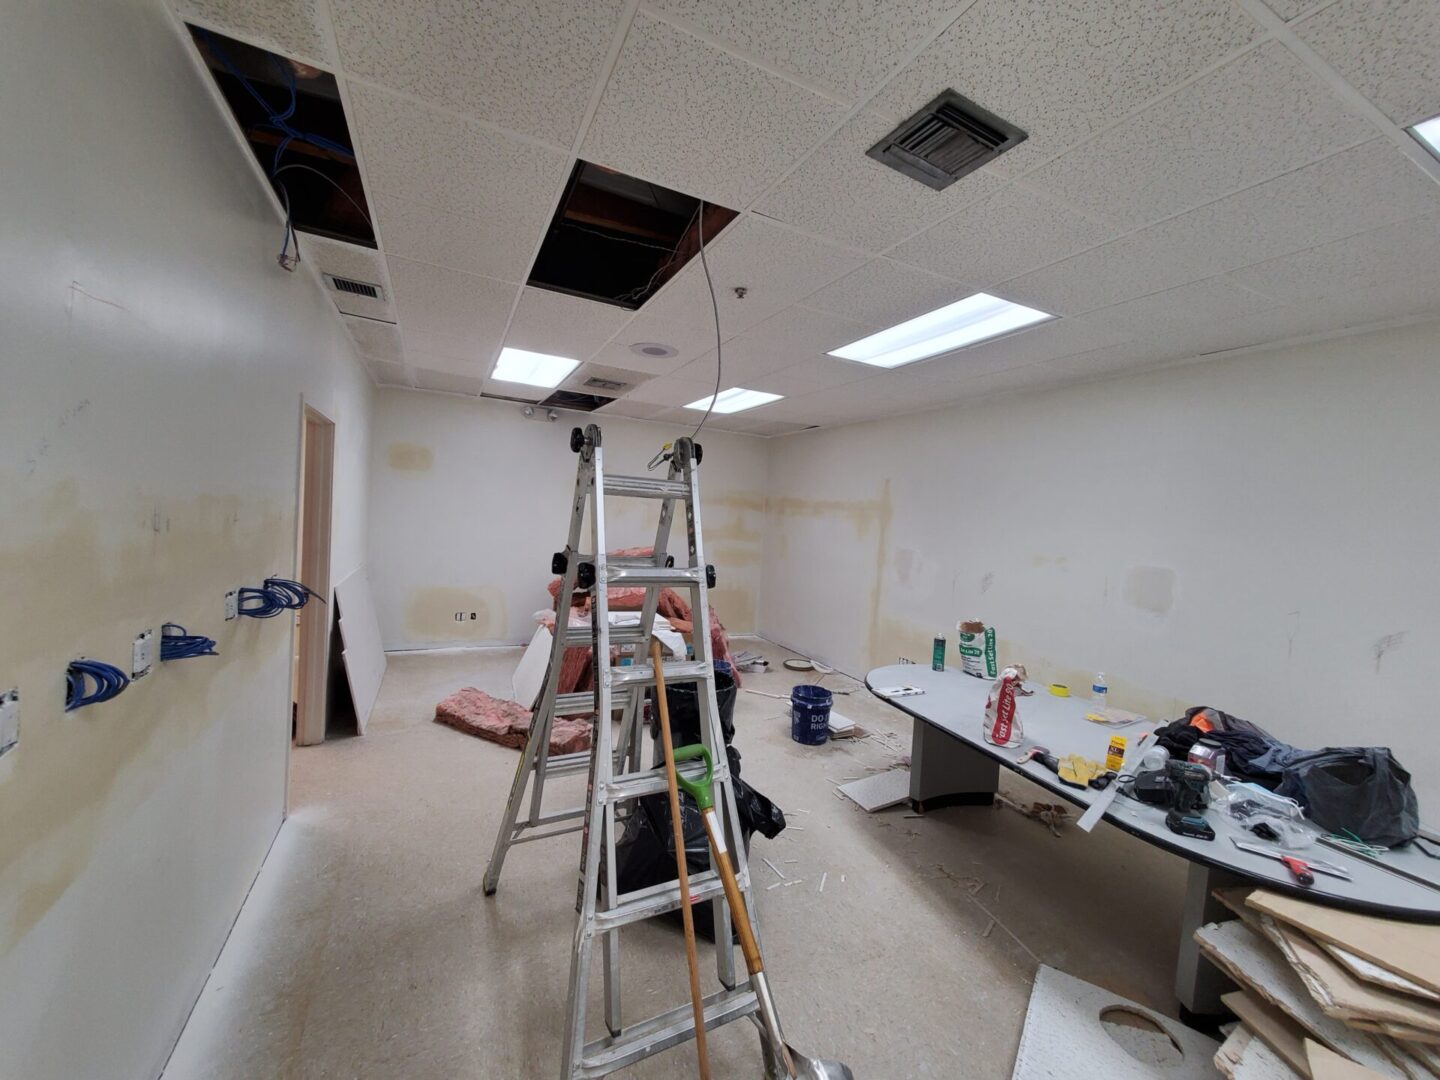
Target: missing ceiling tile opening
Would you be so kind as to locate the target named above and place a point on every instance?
(618, 239)
(948, 138)
(291, 115)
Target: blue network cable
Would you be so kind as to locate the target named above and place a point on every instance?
(274, 596)
(108, 682)
(177, 643)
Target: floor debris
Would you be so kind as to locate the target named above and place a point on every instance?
(822, 881)
(879, 791)
(1051, 815)
(778, 872)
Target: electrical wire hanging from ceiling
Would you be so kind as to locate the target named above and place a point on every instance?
(715, 308)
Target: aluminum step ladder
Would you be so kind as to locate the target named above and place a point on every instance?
(613, 761)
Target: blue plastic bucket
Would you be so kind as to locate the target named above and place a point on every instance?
(810, 714)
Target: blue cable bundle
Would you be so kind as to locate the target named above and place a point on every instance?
(274, 596)
(177, 643)
(108, 681)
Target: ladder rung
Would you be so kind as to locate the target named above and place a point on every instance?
(620, 560)
(657, 899)
(527, 835)
(675, 671)
(615, 1052)
(653, 781)
(565, 764)
(682, 576)
(578, 637)
(646, 487)
(583, 703)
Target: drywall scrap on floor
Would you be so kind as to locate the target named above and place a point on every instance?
(1251, 961)
(872, 793)
(360, 636)
(1065, 1037)
(1243, 1056)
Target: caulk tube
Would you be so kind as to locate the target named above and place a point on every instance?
(1002, 719)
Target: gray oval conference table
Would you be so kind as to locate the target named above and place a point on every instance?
(951, 763)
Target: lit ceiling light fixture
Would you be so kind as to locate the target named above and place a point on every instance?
(1428, 132)
(736, 399)
(532, 368)
(954, 326)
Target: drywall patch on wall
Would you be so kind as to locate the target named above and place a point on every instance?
(736, 609)
(410, 457)
(1149, 588)
(431, 615)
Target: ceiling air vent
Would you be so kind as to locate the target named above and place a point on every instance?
(355, 288)
(945, 140)
(613, 385)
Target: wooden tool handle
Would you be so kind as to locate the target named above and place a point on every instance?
(733, 895)
(682, 871)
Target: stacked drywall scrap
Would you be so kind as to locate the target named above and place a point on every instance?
(1331, 995)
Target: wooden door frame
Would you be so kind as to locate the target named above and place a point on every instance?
(313, 530)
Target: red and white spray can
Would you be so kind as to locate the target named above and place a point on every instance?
(1002, 717)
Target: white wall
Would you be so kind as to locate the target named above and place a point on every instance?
(1260, 533)
(154, 359)
(469, 500)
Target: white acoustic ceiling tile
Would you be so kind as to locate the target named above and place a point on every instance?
(1015, 230)
(519, 392)
(562, 325)
(526, 65)
(619, 353)
(1187, 311)
(496, 246)
(831, 404)
(418, 356)
(671, 390)
(387, 373)
(1293, 9)
(447, 312)
(375, 340)
(884, 292)
(1045, 341)
(635, 410)
(356, 263)
(1389, 50)
(1062, 71)
(808, 376)
(793, 335)
(290, 27)
(1260, 115)
(840, 193)
(1405, 251)
(1134, 265)
(697, 119)
(426, 379)
(845, 47)
(751, 424)
(1129, 357)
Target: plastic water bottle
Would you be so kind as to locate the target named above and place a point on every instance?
(1098, 689)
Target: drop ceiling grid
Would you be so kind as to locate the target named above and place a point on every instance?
(1131, 87)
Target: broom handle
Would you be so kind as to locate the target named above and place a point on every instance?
(682, 870)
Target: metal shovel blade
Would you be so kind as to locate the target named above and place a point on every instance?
(806, 1068)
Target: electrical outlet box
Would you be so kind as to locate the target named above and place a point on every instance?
(232, 604)
(9, 720)
(142, 654)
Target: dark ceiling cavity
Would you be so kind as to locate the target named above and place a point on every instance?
(946, 139)
(575, 401)
(618, 239)
(294, 121)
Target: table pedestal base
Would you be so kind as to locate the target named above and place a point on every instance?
(946, 772)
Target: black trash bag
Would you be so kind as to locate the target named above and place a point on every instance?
(645, 851)
(1357, 789)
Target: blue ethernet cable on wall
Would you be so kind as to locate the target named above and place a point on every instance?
(274, 596)
(89, 682)
(177, 643)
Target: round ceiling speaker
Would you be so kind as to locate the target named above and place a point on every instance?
(653, 349)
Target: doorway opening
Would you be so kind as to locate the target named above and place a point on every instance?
(310, 671)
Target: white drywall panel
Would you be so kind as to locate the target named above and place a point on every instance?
(469, 499)
(1255, 533)
(154, 363)
(362, 653)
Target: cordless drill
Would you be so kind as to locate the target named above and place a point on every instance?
(1188, 785)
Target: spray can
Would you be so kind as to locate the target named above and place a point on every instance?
(937, 654)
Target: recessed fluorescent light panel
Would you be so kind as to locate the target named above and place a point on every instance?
(533, 368)
(954, 326)
(736, 399)
(1428, 132)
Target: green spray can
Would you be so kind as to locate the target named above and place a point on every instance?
(937, 654)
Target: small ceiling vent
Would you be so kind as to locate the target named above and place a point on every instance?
(946, 139)
(613, 385)
(355, 288)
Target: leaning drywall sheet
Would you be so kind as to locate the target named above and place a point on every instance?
(1285, 1037)
(1373, 972)
(1064, 1038)
(1325, 1064)
(529, 677)
(1409, 949)
(1257, 965)
(362, 651)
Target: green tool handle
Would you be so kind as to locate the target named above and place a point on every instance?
(701, 790)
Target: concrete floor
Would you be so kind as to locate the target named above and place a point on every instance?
(366, 948)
